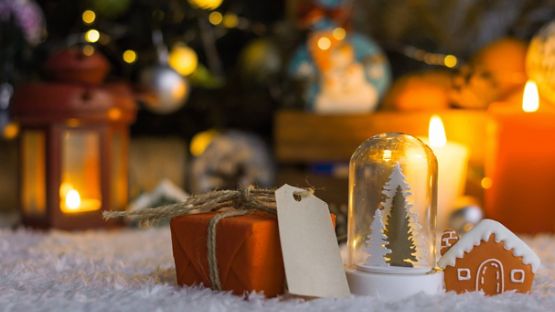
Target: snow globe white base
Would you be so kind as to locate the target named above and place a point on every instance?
(392, 269)
(394, 286)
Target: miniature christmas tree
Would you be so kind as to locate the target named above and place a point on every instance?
(395, 179)
(375, 244)
(422, 249)
(398, 229)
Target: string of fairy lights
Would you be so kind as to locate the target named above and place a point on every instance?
(437, 59)
(184, 59)
(92, 36)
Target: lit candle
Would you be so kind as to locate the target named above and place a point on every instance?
(73, 203)
(73, 200)
(452, 159)
(520, 164)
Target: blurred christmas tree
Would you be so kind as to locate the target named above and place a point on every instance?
(458, 27)
(219, 48)
(228, 58)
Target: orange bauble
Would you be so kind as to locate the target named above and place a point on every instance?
(505, 59)
(419, 92)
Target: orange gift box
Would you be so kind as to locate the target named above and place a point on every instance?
(248, 252)
(247, 248)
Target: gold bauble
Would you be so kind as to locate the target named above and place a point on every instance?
(201, 140)
(206, 4)
(167, 90)
(183, 59)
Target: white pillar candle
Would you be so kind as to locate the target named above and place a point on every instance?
(452, 161)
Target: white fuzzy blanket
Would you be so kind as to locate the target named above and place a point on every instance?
(133, 270)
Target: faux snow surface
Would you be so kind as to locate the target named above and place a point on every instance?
(483, 231)
(133, 270)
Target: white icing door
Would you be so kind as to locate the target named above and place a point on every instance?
(490, 278)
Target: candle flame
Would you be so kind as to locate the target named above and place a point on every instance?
(436, 132)
(530, 97)
(73, 199)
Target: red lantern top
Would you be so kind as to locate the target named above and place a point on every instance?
(76, 93)
(72, 66)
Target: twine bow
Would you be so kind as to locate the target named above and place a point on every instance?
(243, 201)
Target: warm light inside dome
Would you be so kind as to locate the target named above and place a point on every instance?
(387, 155)
(436, 132)
(530, 97)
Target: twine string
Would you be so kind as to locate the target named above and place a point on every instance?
(212, 259)
(243, 201)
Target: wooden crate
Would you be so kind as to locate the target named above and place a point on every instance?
(303, 137)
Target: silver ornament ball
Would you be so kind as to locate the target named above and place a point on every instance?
(465, 216)
(169, 88)
(232, 159)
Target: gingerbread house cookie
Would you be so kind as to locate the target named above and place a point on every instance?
(489, 258)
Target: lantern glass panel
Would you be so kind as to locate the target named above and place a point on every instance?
(118, 171)
(33, 176)
(80, 188)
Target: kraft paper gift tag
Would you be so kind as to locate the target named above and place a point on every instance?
(311, 256)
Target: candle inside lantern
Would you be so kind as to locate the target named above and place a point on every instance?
(71, 201)
(452, 161)
(520, 164)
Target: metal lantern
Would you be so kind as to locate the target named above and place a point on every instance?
(73, 144)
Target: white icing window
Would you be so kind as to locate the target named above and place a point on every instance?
(463, 274)
(517, 276)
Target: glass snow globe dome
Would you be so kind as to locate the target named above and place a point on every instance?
(392, 217)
